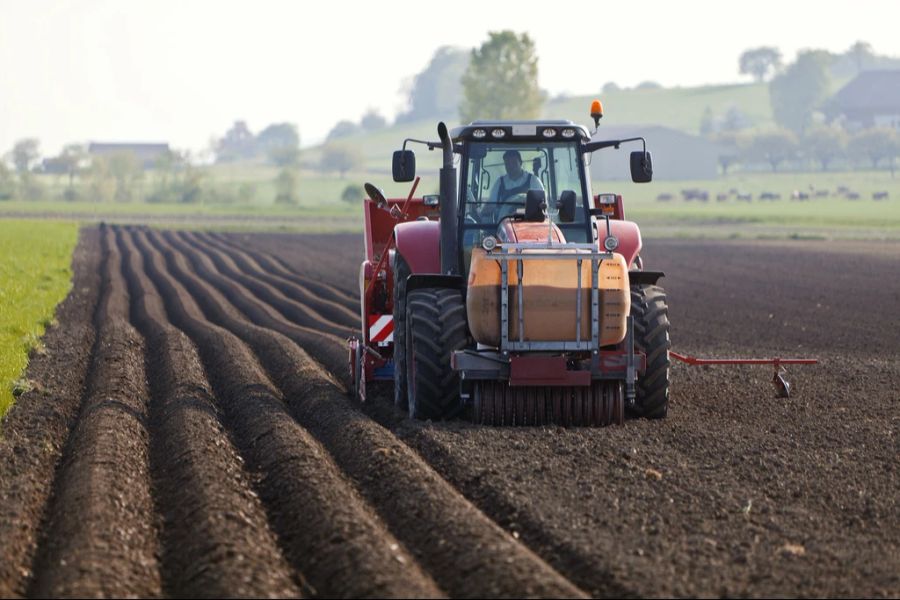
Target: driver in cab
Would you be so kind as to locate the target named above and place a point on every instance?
(516, 181)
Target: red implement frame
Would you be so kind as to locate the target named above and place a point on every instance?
(783, 387)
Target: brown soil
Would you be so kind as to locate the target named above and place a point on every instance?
(189, 435)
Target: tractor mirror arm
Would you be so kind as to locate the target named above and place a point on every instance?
(594, 146)
(431, 145)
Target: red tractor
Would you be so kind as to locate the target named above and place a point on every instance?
(516, 295)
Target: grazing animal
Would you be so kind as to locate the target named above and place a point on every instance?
(880, 196)
(664, 198)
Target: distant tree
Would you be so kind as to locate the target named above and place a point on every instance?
(437, 91)
(352, 193)
(501, 79)
(286, 184)
(611, 87)
(73, 157)
(825, 144)
(341, 158)
(735, 119)
(342, 129)
(279, 143)
(24, 154)
(877, 144)
(126, 171)
(239, 143)
(373, 121)
(648, 85)
(758, 62)
(729, 146)
(861, 53)
(773, 147)
(7, 184)
(800, 89)
(101, 185)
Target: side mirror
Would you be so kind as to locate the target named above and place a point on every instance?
(641, 167)
(535, 206)
(566, 206)
(404, 166)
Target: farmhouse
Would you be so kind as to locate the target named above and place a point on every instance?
(872, 99)
(676, 154)
(146, 154)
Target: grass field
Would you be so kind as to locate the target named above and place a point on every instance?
(35, 276)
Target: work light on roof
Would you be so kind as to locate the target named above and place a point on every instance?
(479, 133)
(498, 133)
(549, 133)
(568, 133)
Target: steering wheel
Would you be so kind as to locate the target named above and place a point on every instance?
(507, 207)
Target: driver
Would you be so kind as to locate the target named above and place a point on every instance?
(516, 181)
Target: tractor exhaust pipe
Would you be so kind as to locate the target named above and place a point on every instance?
(449, 208)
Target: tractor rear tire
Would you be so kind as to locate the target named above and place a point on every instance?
(651, 336)
(401, 273)
(436, 326)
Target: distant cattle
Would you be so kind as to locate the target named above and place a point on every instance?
(822, 193)
(745, 197)
(798, 195)
(843, 189)
(721, 197)
(852, 195)
(880, 196)
(664, 198)
(695, 194)
(769, 196)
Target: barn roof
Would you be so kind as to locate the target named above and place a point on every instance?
(877, 90)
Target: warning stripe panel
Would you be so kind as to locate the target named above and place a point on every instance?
(381, 328)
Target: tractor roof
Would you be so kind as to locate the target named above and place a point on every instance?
(519, 131)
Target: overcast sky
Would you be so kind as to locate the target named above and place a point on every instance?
(183, 71)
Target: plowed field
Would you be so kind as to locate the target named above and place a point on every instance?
(189, 434)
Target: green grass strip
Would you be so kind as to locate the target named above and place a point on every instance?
(35, 276)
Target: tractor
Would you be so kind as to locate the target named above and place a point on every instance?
(515, 296)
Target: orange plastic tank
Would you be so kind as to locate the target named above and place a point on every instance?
(550, 299)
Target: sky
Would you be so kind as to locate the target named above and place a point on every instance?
(183, 71)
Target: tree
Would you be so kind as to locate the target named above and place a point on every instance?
(24, 154)
(825, 144)
(759, 61)
(773, 147)
(286, 187)
(729, 145)
(610, 87)
(876, 144)
(73, 158)
(7, 185)
(501, 79)
(352, 193)
(239, 143)
(341, 158)
(800, 89)
(373, 121)
(127, 173)
(861, 53)
(280, 143)
(436, 92)
(342, 129)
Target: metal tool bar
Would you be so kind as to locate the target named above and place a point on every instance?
(520, 268)
(578, 305)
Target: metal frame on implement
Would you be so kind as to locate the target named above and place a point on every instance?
(539, 387)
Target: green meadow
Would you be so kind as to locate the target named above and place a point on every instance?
(35, 275)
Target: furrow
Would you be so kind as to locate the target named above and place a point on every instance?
(466, 553)
(318, 297)
(99, 538)
(37, 427)
(325, 529)
(333, 254)
(329, 350)
(295, 311)
(215, 538)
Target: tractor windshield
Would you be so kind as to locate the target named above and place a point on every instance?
(497, 177)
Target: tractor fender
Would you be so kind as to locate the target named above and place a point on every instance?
(419, 243)
(628, 234)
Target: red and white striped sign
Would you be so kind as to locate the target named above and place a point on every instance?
(381, 328)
